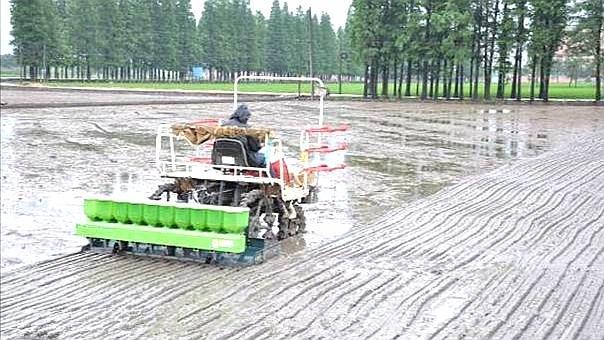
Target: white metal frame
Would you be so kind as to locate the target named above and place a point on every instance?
(322, 89)
(175, 168)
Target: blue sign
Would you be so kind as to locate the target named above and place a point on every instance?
(198, 73)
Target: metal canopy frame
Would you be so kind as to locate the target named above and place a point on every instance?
(269, 78)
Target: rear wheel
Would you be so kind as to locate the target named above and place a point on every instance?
(312, 195)
(261, 217)
(289, 226)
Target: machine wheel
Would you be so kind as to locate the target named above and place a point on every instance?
(298, 225)
(259, 204)
(312, 195)
(291, 227)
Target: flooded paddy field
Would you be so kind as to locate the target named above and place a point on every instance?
(451, 221)
(43, 97)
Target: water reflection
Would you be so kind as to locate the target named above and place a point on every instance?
(404, 155)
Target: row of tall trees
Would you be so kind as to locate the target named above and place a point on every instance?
(160, 39)
(234, 40)
(433, 48)
(124, 39)
(442, 46)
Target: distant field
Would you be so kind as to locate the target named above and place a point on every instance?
(557, 90)
(9, 73)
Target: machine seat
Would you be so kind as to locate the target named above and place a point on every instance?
(230, 151)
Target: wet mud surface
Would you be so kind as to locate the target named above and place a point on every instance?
(18, 97)
(451, 221)
(38, 95)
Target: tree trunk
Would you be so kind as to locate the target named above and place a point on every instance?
(445, 70)
(500, 83)
(424, 94)
(400, 82)
(374, 83)
(395, 76)
(417, 80)
(408, 85)
(598, 76)
(461, 80)
(88, 75)
(491, 57)
(471, 77)
(487, 75)
(450, 79)
(533, 73)
(373, 79)
(431, 94)
(542, 77)
(476, 75)
(366, 80)
(515, 79)
(598, 65)
(456, 88)
(548, 71)
(385, 76)
(519, 84)
(437, 80)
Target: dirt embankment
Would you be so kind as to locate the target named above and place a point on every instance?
(20, 97)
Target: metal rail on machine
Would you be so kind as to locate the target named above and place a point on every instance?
(310, 79)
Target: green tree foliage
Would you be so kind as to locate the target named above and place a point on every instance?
(276, 58)
(587, 37)
(548, 19)
(160, 40)
(446, 45)
(327, 59)
(37, 34)
(112, 38)
(259, 33)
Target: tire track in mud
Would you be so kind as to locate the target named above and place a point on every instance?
(596, 178)
(493, 216)
(492, 251)
(442, 211)
(486, 292)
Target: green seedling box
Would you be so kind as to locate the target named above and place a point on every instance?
(198, 219)
(105, 210)
(214, 220)
(151, 215)
(135, 213)
(91, 209)
(182, 218)
(166, 216)
(234, 222)
(120, 212)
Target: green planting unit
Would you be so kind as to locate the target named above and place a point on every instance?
(205, 227)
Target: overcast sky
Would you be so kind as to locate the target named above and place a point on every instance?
(336, 9)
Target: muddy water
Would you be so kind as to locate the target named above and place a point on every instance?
(40, 96)
(51, 158)
(451, 222)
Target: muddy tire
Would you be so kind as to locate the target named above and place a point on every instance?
(312, 196)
